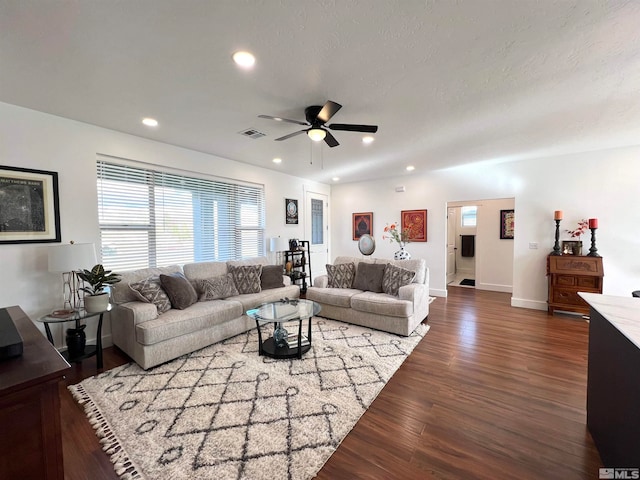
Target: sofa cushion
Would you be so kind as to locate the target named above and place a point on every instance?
(396, 277)
(204, 270)
(179, 290)
(122, 293)
(150, 290)
(369, 277)
(246, 277)
(215, 288)
(341, 276)
(338, 297)
(370, 302)
(271, 277)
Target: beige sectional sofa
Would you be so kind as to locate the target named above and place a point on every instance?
(370, 307)
(152, 338)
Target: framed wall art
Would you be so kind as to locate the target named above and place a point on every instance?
(362, 224)
(415, 221)
(29, 206)
(291, 211)
(507, 224)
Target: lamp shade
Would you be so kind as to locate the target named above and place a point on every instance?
(278, 244)
(72, 257)
(316, 134)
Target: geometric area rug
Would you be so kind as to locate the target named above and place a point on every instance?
(224, 412)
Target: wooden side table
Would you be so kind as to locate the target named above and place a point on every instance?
(77, 317)
(31, 441)
(570, 274)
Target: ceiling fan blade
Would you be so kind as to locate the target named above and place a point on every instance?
(290, 135)
(331, 140)
(328, 110)
(353, 128)
(280, 119)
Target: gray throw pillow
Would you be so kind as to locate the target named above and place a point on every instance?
(246, 278)
(271, 277)
(369, 277)
(150, 290)
(179, 290)
(341, 275)
(395, 277)
(216, 288)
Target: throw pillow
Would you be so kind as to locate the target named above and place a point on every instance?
(216, 287)
(179, 290)
(341, 275)
(271, 277)
(246, 278)
(369, 277)
(150, 290)
(395, 277)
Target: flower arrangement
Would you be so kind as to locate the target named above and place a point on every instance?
(582, 227)
(397, 235)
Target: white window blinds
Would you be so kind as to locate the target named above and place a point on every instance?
(151, 218)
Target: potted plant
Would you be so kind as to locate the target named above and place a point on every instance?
(96, 299)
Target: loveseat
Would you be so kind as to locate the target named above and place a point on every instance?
(388, 295)
(156, 318)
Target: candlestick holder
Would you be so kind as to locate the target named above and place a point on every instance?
(556, 246)
(593, 251)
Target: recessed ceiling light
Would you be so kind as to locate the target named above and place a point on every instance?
(367, 139)
(277, 160)
(335, 179)
(150, 122)
(410, 168)
(244, 59)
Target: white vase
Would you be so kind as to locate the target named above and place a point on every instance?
(96, 303)
(402, 254)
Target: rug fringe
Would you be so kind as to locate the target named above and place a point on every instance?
(122, 464)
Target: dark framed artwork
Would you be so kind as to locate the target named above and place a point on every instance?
(29, 206)
(415, 221)
(362, 224)
(507, 224)
(291, 211)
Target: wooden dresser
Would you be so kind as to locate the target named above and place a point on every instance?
(570, 274)
(30, 441)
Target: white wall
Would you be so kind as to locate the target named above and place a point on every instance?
(601, 185)
(31, 139)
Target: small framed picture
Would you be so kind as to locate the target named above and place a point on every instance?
(571, 247)
(362, 224)
(415, 221)
(29, 206)
(507, 224)
(291, 211)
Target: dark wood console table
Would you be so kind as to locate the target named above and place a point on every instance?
(30, 443)
(570, 274)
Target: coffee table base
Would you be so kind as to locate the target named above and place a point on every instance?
(269, 349)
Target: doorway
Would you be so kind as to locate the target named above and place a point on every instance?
(316, 230)
(461, 241)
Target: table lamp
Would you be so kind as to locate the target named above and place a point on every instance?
(68, 259)
(278, 245)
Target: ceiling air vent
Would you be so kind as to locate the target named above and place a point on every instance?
(252, 133)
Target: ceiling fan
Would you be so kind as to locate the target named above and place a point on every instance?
(316, 117)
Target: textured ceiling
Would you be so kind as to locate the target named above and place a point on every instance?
(448, 82)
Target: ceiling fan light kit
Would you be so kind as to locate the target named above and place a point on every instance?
(317, 116)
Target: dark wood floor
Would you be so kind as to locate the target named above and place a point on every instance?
(492, 392)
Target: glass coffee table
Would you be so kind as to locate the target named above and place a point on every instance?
(285, 313)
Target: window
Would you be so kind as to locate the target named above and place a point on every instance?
(317, 220)
(468, 215)
(152, 219)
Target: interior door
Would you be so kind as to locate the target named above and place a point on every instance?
(316, 230)
(452, 222)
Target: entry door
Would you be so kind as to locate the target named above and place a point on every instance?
(316, 230)
(452, 222)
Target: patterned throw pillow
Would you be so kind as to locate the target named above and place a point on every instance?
(150, 290)
(216, 288)
(341, 275)
(271, 277)
(395, 277)
(179, 290)
(246, 278)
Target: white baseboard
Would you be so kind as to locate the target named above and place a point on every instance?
(525, 303)
(436, 292)
(494, 287)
